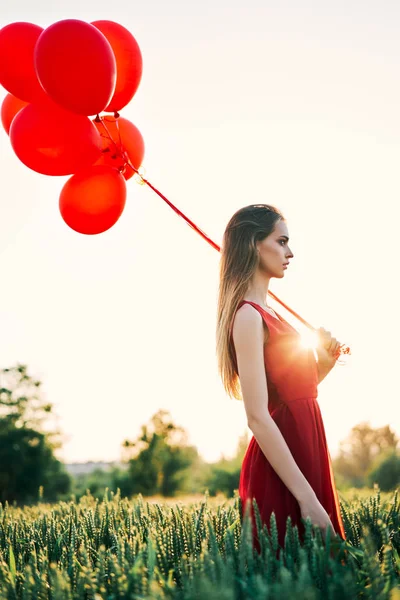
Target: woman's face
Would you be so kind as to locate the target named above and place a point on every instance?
(274, 251)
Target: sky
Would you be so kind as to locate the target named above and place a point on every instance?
(295, 104)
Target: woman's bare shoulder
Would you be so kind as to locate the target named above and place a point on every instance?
(248, 322)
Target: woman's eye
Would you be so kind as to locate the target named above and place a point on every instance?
(284, 241)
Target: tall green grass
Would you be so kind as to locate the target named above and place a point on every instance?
(122, 549)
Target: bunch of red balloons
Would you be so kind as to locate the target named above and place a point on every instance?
(57, 78)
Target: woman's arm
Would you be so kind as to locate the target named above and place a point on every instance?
(323, 368)
(248, 337)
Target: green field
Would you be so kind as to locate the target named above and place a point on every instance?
(193, 548)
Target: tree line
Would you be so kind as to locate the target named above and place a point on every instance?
(160, 461)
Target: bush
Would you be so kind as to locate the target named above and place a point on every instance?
(385, 471)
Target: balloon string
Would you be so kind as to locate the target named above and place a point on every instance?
(109, 136)
(180, 213)
(120, 149)
(343, 348)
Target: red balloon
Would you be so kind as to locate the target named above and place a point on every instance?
(53, 141)
(92, 201)
(129, 62)
(76, 66)
(17, 70)
(122, 141)
(9, 108)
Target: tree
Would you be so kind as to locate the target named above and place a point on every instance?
(360, 449)
(225, 474)
(160, 457)
(27, 459)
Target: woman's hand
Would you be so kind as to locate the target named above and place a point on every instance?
(328, 351)
(318, 515)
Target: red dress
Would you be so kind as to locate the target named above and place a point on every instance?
(292, 379)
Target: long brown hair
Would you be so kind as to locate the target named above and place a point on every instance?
(238, 262)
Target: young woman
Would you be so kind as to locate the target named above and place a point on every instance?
(287, 466)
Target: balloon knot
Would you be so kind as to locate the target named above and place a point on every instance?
(116, 115)
(97, 119)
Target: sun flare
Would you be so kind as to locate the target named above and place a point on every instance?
(309, 339)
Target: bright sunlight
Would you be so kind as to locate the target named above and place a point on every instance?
(309, 339)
